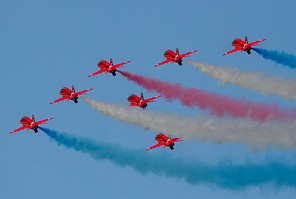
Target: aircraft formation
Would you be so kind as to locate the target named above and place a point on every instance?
(134, 100)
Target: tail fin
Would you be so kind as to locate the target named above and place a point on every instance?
(73, 88)
(142, 96)
(177, 51)
(33, 118)
(246, 40)
(111, 61)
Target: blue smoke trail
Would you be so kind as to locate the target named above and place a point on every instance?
(278, 57)
(223, 175)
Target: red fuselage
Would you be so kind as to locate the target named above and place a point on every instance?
(138, 101)
(172, 56)
(242, 45)
(28, 122)
(104, 65)
(69, 94)
(167, 141)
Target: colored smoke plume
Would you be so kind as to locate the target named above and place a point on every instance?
(256, 135)
(224, 174)
(279, 57)
(218, 105)
(269, 85)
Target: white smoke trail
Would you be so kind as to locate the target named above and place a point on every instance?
(269, 85)
(256, 135)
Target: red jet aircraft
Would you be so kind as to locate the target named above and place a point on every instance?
(140, 101)
(68, 94)
(174, 57)
(164, 141)
(107, 67)
(240, 45)
(29, 123)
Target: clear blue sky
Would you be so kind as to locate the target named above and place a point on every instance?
(46, 45)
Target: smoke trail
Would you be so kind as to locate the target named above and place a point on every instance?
(272, 85)
(217, 104)
(254, 134)
(282, 58)
(223, 175)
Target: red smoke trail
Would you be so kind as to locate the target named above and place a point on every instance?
(217, 104)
